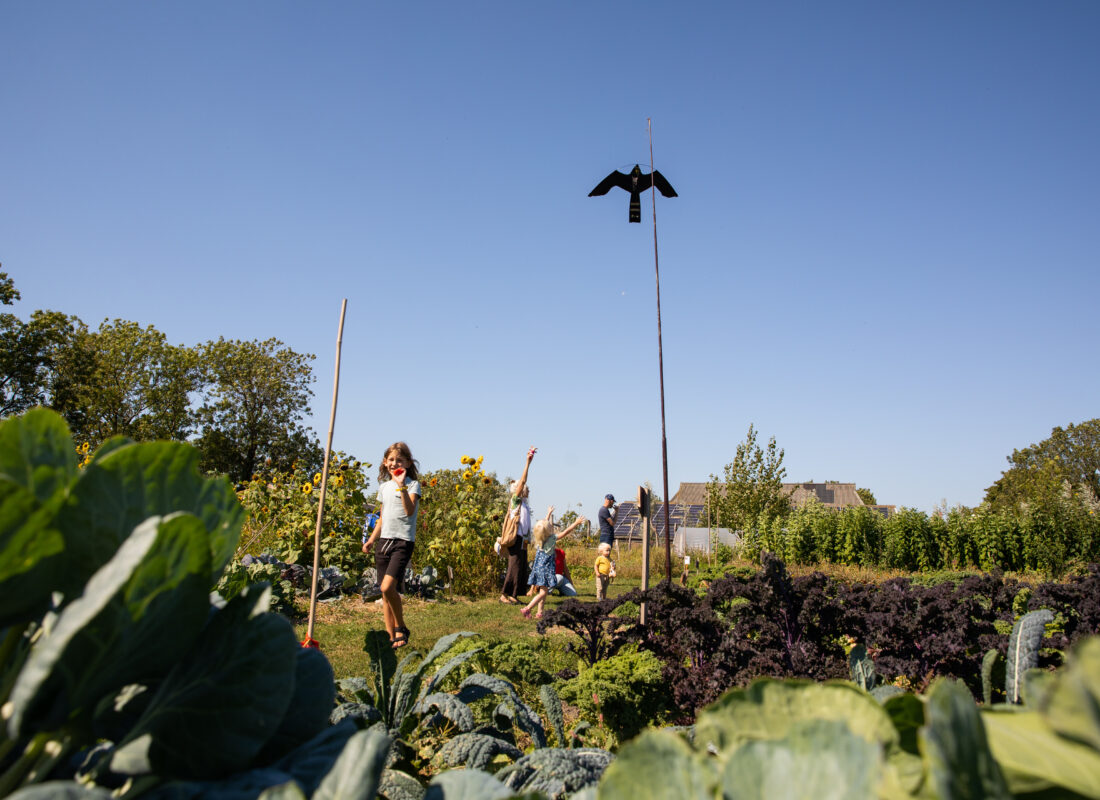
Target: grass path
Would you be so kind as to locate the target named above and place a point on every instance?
(342, 625)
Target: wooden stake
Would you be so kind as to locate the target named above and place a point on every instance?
(309, 640)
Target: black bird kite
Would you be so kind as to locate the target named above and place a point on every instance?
(635, 183)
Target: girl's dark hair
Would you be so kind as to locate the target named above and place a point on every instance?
(404, 451)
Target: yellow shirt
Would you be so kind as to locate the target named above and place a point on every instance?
(603, 565)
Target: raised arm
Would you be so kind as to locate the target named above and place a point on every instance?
(521, 484)
(577, 522)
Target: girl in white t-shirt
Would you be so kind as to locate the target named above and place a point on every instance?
(399, 494)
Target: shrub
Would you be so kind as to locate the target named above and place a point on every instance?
(625, 692)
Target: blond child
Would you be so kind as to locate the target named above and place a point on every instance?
(604, 569)
(543, 577)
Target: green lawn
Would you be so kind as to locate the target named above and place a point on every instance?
(341, 626)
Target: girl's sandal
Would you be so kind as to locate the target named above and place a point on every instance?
(400, 638)
(538, 615)
(526, 613)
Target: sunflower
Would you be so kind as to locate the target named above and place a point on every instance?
(317, 477)
(479, 460)
(307, 488)
(486, 480)
(433, 481)
(467, 475)
(465, 460)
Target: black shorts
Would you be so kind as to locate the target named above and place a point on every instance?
(391, 557)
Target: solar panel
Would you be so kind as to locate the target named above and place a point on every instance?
(628, 522)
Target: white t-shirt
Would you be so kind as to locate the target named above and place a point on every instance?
(396, 524)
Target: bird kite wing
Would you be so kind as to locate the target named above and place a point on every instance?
(663, 186)
(616, 178)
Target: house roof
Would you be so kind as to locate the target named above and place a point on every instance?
(832, 495)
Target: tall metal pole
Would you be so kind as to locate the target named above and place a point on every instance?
(660, 365)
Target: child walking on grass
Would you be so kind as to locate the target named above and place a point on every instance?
(604, 569)
(543, 576)
(399, 494)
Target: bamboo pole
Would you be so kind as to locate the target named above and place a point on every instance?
(309, 641)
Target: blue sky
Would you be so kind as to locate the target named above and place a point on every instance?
(884, 252)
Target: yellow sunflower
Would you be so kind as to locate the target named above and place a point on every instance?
(317, 477)
(307, 488)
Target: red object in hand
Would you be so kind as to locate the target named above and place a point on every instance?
(397, 473)
(311, 643)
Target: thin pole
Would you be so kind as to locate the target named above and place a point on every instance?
(660, 365)
(310, 641)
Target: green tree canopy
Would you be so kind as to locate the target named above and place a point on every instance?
(242, 402)
(125, 380)
(752, 486)
(255, 396)
(867, 496)
(1070, 455)
(28, 352)
(8, 293)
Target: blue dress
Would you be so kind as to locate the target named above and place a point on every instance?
(542, 571)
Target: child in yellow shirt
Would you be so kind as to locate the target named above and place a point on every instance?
(604, 569)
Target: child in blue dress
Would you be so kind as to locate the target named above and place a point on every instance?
(542, 571)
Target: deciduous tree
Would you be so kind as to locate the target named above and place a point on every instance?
(28, 352)
(751, 487)
(255, 398)
(124, 380)
(1070, 455)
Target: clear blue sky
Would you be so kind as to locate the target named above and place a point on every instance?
(884, 252)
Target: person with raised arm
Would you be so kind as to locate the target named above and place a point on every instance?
(515, 578)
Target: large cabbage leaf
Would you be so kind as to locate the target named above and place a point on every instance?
(224, 700)
(137, 616)
(37, 464)
(959, 761)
